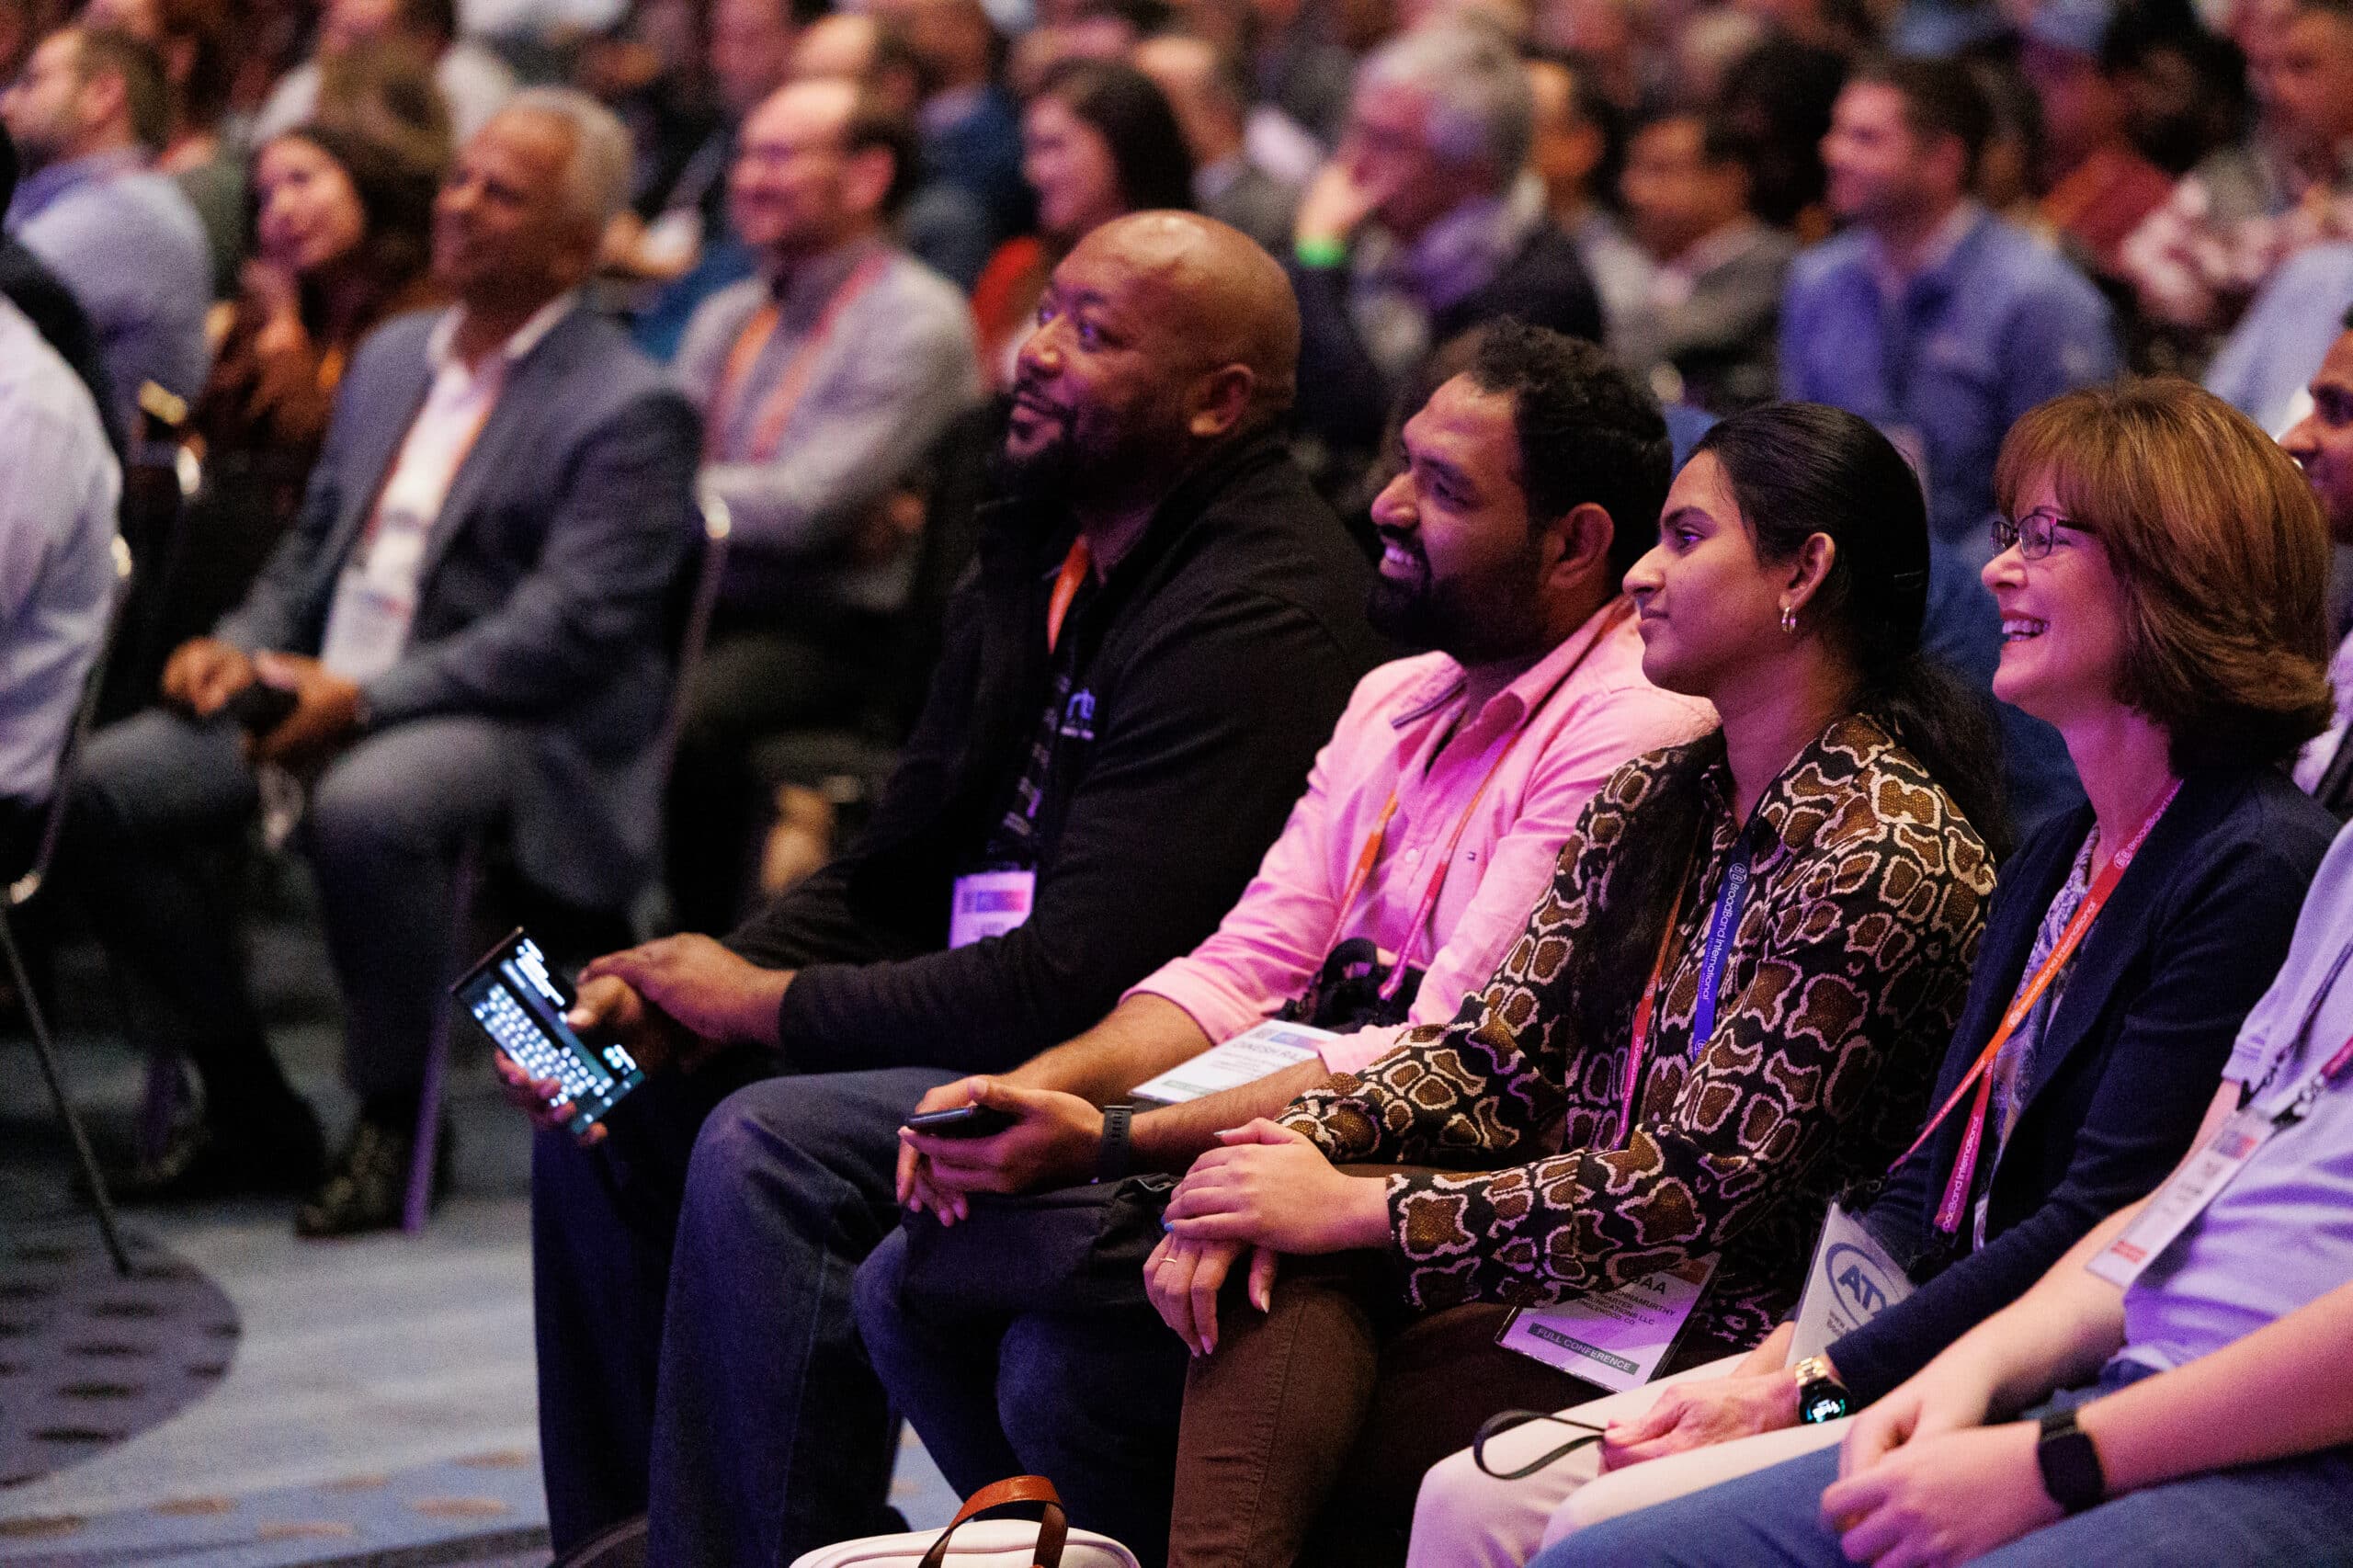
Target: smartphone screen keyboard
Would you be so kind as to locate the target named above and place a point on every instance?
(521, 1036)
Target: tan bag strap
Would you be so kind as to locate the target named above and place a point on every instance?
(1051, 1529)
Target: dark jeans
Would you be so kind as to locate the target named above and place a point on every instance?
(698, 1358)
(2290, 1514)
(1087, 1399)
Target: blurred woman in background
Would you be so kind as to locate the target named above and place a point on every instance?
(1099, 142)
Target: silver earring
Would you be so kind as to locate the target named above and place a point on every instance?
(1790, 619)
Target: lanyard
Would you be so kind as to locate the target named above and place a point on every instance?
(790, 386)
(1066, 585)
(1980, 1074)
(1370, 856)
(455, 462)
(1724, 920)
(2332, 1069)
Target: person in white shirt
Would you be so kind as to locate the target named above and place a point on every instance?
(474, 83)
(59, 484)
(470, 618)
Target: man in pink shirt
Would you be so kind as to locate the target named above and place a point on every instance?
(1429, 828)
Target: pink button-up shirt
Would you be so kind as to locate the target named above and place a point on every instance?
(1406, 731)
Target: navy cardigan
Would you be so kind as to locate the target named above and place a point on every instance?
(2193, 935)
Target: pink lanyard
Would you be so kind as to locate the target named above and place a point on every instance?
(1965, 1168)
(1370, 856)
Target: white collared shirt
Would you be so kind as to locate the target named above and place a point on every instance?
(375, 597)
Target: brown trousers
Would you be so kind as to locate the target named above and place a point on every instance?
(1307, 1434)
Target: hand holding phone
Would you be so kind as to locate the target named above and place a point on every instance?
(962, 1121)
(258, 708)
(519, 1002)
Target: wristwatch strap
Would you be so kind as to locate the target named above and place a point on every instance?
(1117, 1154)
(1821, 1396)
(2069, 1464)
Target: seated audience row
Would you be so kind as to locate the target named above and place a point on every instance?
(1161, 625)
(2102, 1042)
(1659, 905)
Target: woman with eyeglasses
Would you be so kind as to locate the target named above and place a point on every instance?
(2161, 579)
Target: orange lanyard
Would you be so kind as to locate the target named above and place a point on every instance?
(793, 384)
(1980, 1074)
(457, 465)
(1370, 856)
(1066, 585)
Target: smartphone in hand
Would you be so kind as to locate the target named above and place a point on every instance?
(258, 709)
(519, 1002)
(962, 1121)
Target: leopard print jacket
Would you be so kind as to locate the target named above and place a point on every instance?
(1844, 977)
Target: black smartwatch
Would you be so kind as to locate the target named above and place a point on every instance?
(1821, 1396)
(1111, 1162)
(2070, 1465)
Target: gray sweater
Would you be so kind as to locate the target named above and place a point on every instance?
(896, 367)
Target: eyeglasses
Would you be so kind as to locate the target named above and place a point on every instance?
(2034, 533)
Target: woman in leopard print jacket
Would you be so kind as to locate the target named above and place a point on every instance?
(1576, 1128)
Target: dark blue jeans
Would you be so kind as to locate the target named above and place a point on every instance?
(1089, 1400)
(698, 1360)
(2288, 1515)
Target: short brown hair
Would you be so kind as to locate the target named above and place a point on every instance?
(2222, 550)
(102, 52)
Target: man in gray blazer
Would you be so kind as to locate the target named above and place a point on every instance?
(463, 631)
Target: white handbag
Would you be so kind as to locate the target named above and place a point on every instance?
(990, 1543)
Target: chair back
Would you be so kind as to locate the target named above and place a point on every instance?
(22, 891)
(160, 482)
(700, 577)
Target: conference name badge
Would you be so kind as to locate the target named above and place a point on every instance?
(2195, 1184)
(989, 903)
(1851, 1280)
(1619, 1338)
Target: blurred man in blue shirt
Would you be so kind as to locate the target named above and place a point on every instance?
(1927, 315)
(87, 112)
(1941, 323)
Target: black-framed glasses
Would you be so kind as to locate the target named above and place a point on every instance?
(2034, 533)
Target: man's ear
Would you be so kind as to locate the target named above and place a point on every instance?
(1220, 399)
(866, 178)
(1577, 544)
(102, 96)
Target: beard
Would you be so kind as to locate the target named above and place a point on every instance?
(1474, 621)
(1406, 610)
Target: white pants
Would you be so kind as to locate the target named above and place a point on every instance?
(1466, 1518)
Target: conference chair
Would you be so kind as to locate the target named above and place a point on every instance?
(28, 886)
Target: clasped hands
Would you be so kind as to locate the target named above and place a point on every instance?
(1922, 1481)
(1267, 1190)
(204, 675)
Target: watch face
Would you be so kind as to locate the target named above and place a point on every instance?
(1819, 1404)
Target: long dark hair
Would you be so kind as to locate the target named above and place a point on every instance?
(1798, 470)
(1801, 468)
(1130, 112)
